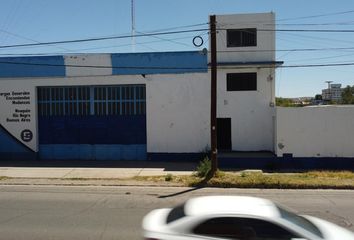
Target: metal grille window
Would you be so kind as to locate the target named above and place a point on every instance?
(60, 101)
(119, 100)
(94, 100)
(246, 37)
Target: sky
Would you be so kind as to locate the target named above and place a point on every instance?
(34, 21)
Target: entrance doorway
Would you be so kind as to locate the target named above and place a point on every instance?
(224, 134)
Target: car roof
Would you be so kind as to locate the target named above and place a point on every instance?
(225, 205)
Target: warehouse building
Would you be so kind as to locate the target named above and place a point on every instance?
(142, 106)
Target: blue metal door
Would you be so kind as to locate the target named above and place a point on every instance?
(92, 122)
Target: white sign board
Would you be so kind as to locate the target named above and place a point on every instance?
(18, 112)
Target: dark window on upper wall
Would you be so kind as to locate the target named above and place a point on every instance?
(241, 81)
(246, 37)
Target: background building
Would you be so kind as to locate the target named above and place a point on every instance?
(334, 93)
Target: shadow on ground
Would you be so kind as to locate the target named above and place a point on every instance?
(181, 192)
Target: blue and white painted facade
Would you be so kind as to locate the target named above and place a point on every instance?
(175, 120)
(127, 139)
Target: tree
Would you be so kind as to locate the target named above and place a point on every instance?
(318, 97)
(284, 102)
(347, 95)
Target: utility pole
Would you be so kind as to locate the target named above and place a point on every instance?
(213, 111)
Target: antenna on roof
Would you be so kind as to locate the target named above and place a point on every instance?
(133, 24)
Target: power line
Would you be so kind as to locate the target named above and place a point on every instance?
(313, 24)
(26, 38)
(292, 50)
(220, 51)
(320, 58)
(319, 65)
(165, 39)
(287, 24)
(301, 30)
(317, 38)
(294, 66)
(13, 15)
(94, 48)
(310, 30)
(180, 68)
(174, 28)
(317, 16)
(168, 33)
(102, 38)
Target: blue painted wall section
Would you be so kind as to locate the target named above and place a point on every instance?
(43, 66)
(287, 163)
(127, 129)
(121, 137)
(11, 148)
(159, 63)
(92, 152)
(272, 163)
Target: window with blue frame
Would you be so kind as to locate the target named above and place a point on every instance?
(92, 100)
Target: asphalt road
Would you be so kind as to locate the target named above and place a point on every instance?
(56, 212)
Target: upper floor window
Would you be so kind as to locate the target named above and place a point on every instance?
(246, 37)
(241, 81)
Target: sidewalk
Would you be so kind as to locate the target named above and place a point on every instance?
(143, 173)
(78, 169)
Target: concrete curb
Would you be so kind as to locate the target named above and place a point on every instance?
(84, 182)
(87, 173)
(131, 183)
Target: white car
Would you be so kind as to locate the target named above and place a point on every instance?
(236, 217)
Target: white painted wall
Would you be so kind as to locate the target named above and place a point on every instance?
(251, 112)
(101, 60)
(324, 131)
(178, 107)
(28, 122)
(264, 51)
(178, 112)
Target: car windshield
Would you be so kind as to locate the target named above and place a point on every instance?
(300, 221)
(176, 213)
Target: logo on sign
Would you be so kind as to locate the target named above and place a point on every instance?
(26, 135)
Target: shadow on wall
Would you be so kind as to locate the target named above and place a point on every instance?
(11, 148)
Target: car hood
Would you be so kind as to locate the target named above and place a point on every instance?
(155, 221)
(331, 231)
